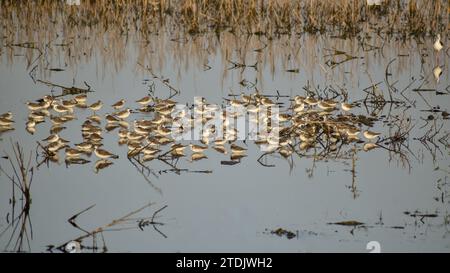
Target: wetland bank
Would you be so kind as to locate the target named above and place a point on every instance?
(353, 100)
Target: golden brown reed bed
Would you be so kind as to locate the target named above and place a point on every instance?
(260, 17)
(201, 28)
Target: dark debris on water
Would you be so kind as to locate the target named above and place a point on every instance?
(281, 232)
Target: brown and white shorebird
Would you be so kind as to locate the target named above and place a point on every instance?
(311, 101)
(352, 131)
(267, 102)
(123, 114)
(123, 133)
(31, 129)
(70, 152)
(84, 146)
(81, 99)
(324, 105)
(369, 146)
(56, 146)
(95, 118)
(220, 148)
(56, 129)
(236, 103)
(299, 107)
(178, 148)
(237, 149)
(7, 115)
(299, 99)
(346, 106)
(103, 154)
(198, 156)
(111, 119)
(6, 122)
(145, 100)
(197, 148)
(118, 104)
(34, 106)
(60, 108)
(96, 105)
(371, 135)
(69, 103)
(31, 124)
(246, 98)
(51, 138)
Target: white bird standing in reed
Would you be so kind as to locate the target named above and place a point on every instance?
(438, 46)
(374, 3)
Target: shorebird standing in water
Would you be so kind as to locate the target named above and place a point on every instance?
(6, 122)
(7, 115)
(123, 114)
(371, 135)
(96, 106)
(103, 154)
(197, 148)
(346, 106)
(81, 99)
(118, 104)
(61, 109)
(145, 100)
(51, 138)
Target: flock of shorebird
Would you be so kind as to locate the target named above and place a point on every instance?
(306, 122)
(308, 119)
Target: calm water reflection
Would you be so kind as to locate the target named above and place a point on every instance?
(325, 188)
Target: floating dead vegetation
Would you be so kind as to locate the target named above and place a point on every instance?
(420, 215)
(351, 223)
(281, 232)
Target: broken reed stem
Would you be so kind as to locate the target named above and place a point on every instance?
(20, 169)
(106, 227)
